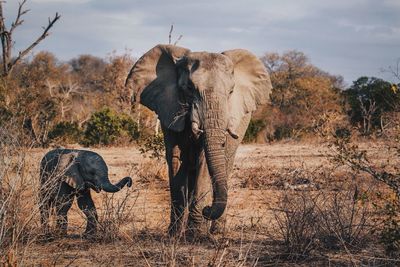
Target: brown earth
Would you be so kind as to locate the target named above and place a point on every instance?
(140, 238)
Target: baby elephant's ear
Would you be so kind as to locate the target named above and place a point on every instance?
(69, 165)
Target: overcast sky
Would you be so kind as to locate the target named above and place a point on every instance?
(344, 37)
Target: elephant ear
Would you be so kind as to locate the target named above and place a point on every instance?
(252, 86)
(153, 80)
(69, 166)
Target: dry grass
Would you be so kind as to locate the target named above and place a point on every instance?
(330, 221)
(18, 212)
(298, 211)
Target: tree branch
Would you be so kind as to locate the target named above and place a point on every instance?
(35, 43)
(170, 36)
(177, 40)
(170, 33)
(20, 13)
(396, 70)
(4, 37)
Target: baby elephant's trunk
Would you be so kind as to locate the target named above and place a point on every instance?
(113, 188)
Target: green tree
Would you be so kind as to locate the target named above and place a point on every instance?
(106, 126)
(255, 126)
(369, 98)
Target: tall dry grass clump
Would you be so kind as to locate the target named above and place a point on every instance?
(18, 191)
(311, 224)
(115, 214)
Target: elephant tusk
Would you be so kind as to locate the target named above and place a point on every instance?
(234, 135)
(195, 129)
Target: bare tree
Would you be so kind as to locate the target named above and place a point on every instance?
(367, 112)
(395, 70)
(63, 94)
(6, 37)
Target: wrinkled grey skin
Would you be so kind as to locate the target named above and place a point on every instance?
(69, 173)
(204, 102)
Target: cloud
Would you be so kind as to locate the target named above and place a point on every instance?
(61, 1)
(351, 38)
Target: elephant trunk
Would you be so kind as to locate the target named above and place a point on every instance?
(214, 144)
(107, 186)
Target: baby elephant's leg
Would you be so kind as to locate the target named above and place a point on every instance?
(63, 203)
(86, 204)
(46, 200)
(44, 216)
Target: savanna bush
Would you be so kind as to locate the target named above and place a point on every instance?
(66, 132)
(390, 235)
(349, 154)
(254, 128)
(17, 186)
(307, 222)
(368, 99)
(285, 131)
(105, 127)
(154, 146)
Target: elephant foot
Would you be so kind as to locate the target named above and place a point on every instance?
(60, 233)
(196, 230)
(198, 235)
(90, 236)
(218, 227)
(46, 237)
(174, 230)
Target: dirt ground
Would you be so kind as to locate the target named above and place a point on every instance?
(141, 238)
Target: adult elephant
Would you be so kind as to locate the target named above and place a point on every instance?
(204, 102)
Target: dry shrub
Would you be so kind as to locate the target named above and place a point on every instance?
(346, 220)
(151, 172)
(296, 224)
(256, 177)
(156, 249)
(324, 220)
(347, 153)
(115, 213)
(18, 191)
(298, 178)
(390, 235)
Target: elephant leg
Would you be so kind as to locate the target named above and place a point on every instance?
(63, 203)
(86, 204)
(177, 171)
(44, 216)
(44, 207)
(178, 190)
(200, 193)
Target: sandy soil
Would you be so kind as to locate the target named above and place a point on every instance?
(142, 239)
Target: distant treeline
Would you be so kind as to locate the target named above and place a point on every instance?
(85, 101)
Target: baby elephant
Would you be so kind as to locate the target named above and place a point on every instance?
(66, 173)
